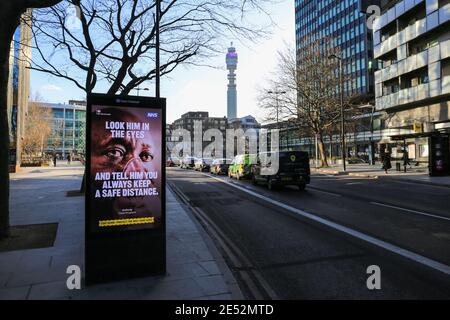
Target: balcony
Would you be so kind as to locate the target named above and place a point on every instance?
(409, 64)
(434, 18)
(413, 31)
(408, 96)
(414, 62)
(409, 33)
(444, 49)
(403, 97)
(445, 88)
(395, 12)
(444, 13)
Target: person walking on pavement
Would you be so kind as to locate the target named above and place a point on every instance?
(54, 159)
(68, 159)
(387, 161)
(406, 161)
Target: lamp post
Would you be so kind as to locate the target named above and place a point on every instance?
(139, 89)
(341, 84)
(277, 93)
(157, 51)
(371, 140)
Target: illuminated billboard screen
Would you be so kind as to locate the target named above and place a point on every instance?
(125, 167)
(125, 188)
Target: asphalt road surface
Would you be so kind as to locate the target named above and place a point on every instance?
(318, 243)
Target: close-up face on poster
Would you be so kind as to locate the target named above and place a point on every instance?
(125, 168)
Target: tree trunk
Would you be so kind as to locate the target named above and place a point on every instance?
(322, 152)
(4, 136)
(9, 22)
(331, 147)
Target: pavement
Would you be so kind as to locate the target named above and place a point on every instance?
(413, 174)
(195, 269)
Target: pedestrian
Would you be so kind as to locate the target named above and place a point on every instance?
(387, 161)
(68, 159)
(54, 159)
(406, 161)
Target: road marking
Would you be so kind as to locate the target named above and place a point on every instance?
(410, 210)
(326, 192)
(353, 183)
(416, 182)
(356, 234)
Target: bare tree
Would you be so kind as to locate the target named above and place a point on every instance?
(310, 85)
(37, 129)
(10, 13)
(57, 134)
(113, 41)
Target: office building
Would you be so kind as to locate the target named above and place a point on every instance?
(244, 123)
(68, 134)
(412, 43)
(343, 25)
(188, 122)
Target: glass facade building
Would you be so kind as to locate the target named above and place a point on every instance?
(68, 133)
(345, 26)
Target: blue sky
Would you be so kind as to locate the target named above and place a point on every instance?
(202, 88)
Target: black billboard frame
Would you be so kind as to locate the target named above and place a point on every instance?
(113, 255)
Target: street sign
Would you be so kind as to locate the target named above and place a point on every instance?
(125, 198)
(418, 127)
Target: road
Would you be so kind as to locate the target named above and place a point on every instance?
(285, 243)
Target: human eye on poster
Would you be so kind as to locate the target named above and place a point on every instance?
(125, 168)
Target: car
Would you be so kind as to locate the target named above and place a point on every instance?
(188, 162)
(203, 164)
(176, 161)
(170, 163)
(293, 169)
(220, 166)
(240, 167)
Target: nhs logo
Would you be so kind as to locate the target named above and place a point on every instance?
(152, 115)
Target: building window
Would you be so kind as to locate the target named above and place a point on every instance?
(58, 113)
(423, 151)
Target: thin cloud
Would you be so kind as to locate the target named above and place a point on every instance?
(51, 87)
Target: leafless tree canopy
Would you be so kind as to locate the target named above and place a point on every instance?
(114, 40)
(37, 129)
(311, 84)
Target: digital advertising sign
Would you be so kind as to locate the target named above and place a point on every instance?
(125, 168)
(125, 198)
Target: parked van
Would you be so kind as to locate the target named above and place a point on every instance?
(293, 170)
(240, 168)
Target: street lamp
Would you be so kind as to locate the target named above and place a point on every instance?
(371, 140)
(277, 93)
(139, 89)
(157, 51)
(335, 56)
